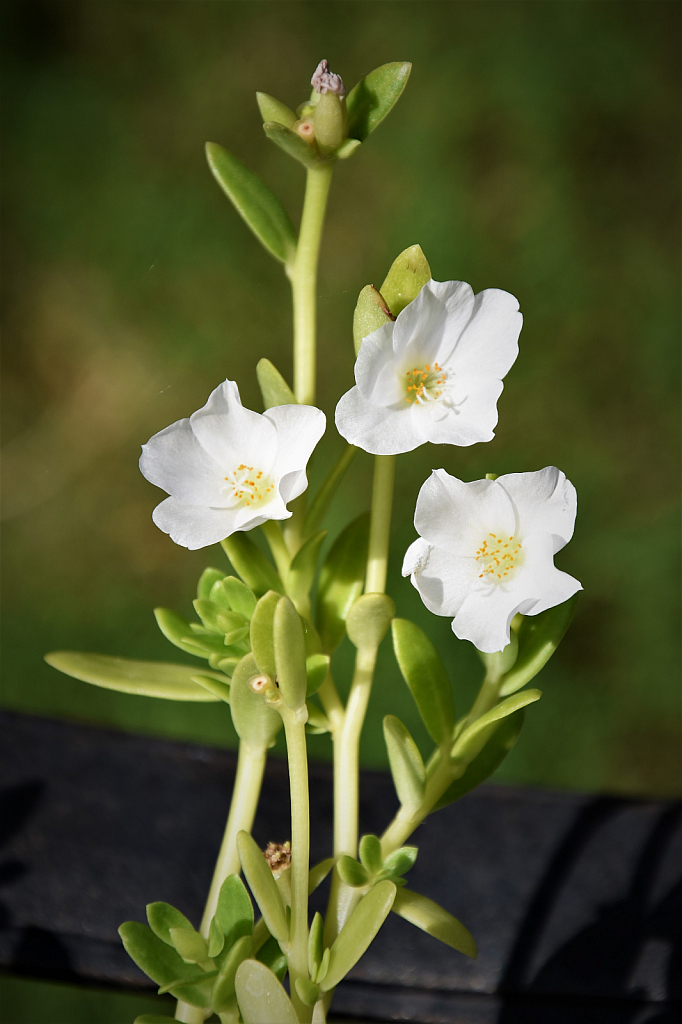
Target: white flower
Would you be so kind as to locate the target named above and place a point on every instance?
(435, 374)
(487, 550)
(227, 468)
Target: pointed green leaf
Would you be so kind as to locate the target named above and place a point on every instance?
(303, 565)
(159, 961)
(251, 564)
(162, 917)
(407, 767)
(485, 763)
(174, 628)
(272, 109)
(290, 659)
(318, 873)
(263, 886)
(307, 991)
(400, 861)
(236, 636)
(358, 932)
(351, 872)
(273, 387)
(472, 740)
(291, 142)
(238, 596)
(262, 635)
(408, 274)
(234, 912)
(262, 1000)
(370, 853)
(255, 722)
(373, 97)
(216, 618)
(272, 956)
(196, 993)
(216, 939)
(539, 636)
(316, 667)
(190, 945)
(434, 920)
(207, 579)
(223, 989)
(368, 620)
(257, 204)
(216, 687)
(321, 972)
(347, 148)
(315, 944)
(371, 313)
(226, 665)
(210, 644)
(342, 579)
(425, 675)
(144, 678)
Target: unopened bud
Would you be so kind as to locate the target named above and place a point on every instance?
(324, 81)
(330, 121)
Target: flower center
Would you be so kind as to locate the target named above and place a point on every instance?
(425, 383)
(498, 557)
(247, 486)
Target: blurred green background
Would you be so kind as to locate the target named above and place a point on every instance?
(535, 149)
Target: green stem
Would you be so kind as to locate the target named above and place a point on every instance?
(380, 525)
(322, 499)
(278, 547)
(297, 951)
(304, 280)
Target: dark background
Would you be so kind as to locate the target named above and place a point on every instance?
(535, 149)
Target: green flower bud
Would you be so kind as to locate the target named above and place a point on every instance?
(330, 120)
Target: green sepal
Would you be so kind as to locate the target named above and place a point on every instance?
(434, 920)
(175, 628)
(373, 97)
(219, 689)
(208, 578)
(303, 564)
(272, 109)
(261, 996)
(255, 722)
(342, 579)
(351, 872)
(144, 678)
(407, 767)
(250, 563)
(330, 118)
(316, 667)
(408, 274)
(254, 201)
(315, 944)
(272, 956)
(291, 142)
(216, 939)
(190, 944)
(425, 675)
(317, 722)
(262, 638)
(358, 932)
(273, 387)
(223, 989)
(370, 853)
(538, 637)
(234, 911)
(469, 743)
(162, 917)
(347, 148)
(307, 991)
(485, 763)
(368, 620)
(371, 313)
(239, 597)
(318, 873)
(398, 862)
(159, 961)
(263, 886)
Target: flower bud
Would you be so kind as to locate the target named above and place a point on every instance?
(330, 119)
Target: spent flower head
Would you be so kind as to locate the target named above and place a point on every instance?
(324, 80)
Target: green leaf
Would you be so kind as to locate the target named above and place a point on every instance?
(425, 675)
(373, 97)
(485, 763)
(368, 620)
(272, 956)
(318, 722)
(234, 912)
(370, 853)
(290, 657)
(408, 274)
(315, 944)
(198, 993)
(291, 142)
(341, 581)
(217, 688)
(302, 569)
(144, 678)
(162, 917)
(358, 932)
(371, 313)
(207, 579)
(216, 939)
(190, 945)
(174, 628)
(316, 667)
(272, 109)
(434, 920)
(307, 991)
(273, 387)
(251, 564)
(318, 873)
(255, 722)
(262, 637)
(539, 636)
(159, 961)
(321, 972)
(471, 741)
(347, 148)
(322, 499)
(223, 989)
(218, 619)
(351, 872)
(152, 1018)
(257, 204)
(262, 1000)
(239, 597)
(407, 767)
(400, 861)
(263, 886)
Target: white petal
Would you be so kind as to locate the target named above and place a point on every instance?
(455, 300)
(415, 557)
(443, 580)
(233, 435)
(485, 617)
(457, 516)
(489, 343)
(376, 372)
(193, 526)
(375, 428)
(174, 460)
(544, 501)
(257, 512)
(299, 428)
(466, 414)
